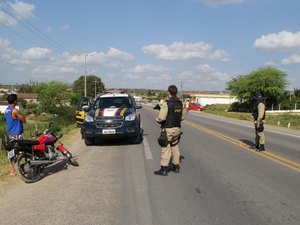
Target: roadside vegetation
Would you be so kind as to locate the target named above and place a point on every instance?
(279, 120)
(271, 82)
(56, 102)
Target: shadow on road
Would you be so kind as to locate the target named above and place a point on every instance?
(55, 168)
(247, 142)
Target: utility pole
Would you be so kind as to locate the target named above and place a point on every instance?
(85, 71)
(95, 87)
(181, 87)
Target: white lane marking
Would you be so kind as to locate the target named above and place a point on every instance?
(244, 125)
(147, 149)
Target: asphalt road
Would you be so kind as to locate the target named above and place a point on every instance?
(221, 181)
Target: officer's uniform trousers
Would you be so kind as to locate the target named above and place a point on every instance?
(259, 137)
(170, 150)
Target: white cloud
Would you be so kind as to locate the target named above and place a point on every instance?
(210, 73)
(6, 51)
(220, 2)
(7, 20)
(23, 10)
(49, 29)
(19, 62)
(52, 69)
(293, 59)
(132, 76)
(269, 63)
(116, 53)
(148, 68)
(36, 53)
(187, 75)
(283, 40)
(109, 77)
(203, 77)
(20, 11)
(4, 43)
(159, 79)
(110, 59)
(185, 51)
(65, 27)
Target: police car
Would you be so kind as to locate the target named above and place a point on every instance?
(113, 116)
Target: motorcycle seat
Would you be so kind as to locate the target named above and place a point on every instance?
(28, 142)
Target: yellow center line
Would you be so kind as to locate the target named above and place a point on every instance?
(271, 156)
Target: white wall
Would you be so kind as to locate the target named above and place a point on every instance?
(3, 108)
(214, 100)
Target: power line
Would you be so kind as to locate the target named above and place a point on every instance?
(21, 35)
(31, 28)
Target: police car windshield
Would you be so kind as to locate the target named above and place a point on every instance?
(113, 102)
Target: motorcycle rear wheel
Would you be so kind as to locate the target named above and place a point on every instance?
(25, 171)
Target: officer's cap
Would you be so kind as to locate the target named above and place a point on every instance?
(258, 96)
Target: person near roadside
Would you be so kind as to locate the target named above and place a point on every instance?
(14, 121)
(187, 105)
(170, 117)
(259, 113)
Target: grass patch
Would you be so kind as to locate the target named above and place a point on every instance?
(4, 164)
(284, 120)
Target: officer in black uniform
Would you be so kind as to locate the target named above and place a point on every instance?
(259, 114)
(170, 117)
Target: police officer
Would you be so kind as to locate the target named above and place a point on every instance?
(170, 116)
(258, 114)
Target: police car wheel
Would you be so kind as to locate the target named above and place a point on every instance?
(89, 141)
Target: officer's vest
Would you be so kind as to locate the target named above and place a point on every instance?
(255, 112)
(174, 113)
(14, 126)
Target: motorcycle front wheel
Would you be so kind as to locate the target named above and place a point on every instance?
(73, 161)
(25, 170)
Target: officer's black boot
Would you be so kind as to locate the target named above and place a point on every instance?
(256, 146)
(163, 171)
(175, 168)
(261, 148)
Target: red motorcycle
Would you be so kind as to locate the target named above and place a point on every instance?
(31, 157)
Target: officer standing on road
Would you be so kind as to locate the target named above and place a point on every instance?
(170, 117)
(258, 114)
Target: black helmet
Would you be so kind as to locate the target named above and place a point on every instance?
(258, 96)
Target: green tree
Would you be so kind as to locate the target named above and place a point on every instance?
(91, 82)
(162, 95)
(53, 95)
(267, 80)
(297, 93)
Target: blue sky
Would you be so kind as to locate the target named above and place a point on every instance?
(201, 44)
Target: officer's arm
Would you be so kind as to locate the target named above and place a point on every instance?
(162, 116)
(261, 111)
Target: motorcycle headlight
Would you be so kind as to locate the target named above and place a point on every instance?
(130, 117)
(89, 119)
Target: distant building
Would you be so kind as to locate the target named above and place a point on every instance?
(210, 99)
(29, 97)
(3, 106)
